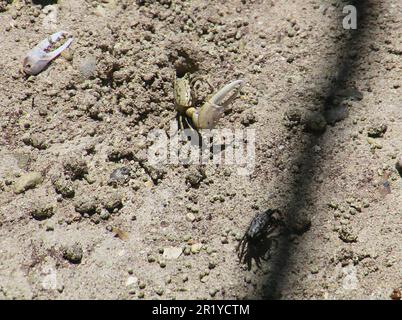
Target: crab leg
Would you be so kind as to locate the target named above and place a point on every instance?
(38, 57)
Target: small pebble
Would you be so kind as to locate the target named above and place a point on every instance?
(73, 253)
(104, 215)
(213, 292)
(27, 181)
(171, 253)
(131, 281)
(159, 291)
(42, 211)
(196, 247)
(377, 130)
(190, 217)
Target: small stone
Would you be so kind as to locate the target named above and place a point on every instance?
(293, 117)
(86, 205)
(87, 67)
(333, 205)
(27, 181)
(314, 269)
(171, 253)
(67, 54)
(90, 178)
(60, 288)
(353, 211)
(211, 265)
(346, 235)
(356, 205)
(131, 281)
(213, 292)
(73, 253)
(49, 227)
(224, 240)
(64, 187)
(195, 177)
(187, 251)
(104, 215)
(210, 250)
(113, 202)
(377, 130)
(159, 291)
(75, 167)
(248, 119)
(96, 219)
(119, 176)
(42, 211)
(35, 140)
(374, 144)
(190, 217)
(396, 294)
(196, 247)
(148, 77)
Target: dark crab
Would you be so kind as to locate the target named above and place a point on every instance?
(259, 238)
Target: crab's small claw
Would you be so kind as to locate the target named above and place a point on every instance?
(38, 57)
(212, 110)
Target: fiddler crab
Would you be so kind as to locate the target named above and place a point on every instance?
(260, 238)
(40, 56)
(211, 111)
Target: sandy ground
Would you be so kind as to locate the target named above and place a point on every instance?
(325, 106)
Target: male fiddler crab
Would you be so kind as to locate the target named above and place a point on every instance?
(40, 56)
(259, 238)
(208, 115)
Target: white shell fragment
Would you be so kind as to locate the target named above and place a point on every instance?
(39, 57)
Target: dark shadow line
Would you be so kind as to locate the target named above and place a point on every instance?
(300, 189)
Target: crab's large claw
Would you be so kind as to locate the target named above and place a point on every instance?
(38, 57)
(212, 110)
